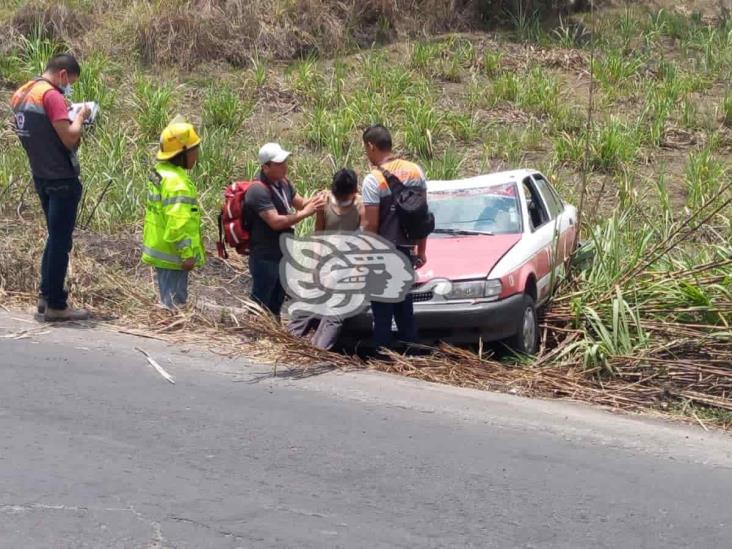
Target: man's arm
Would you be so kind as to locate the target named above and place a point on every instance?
(320, 221)
(370, 221)
(371, 200)
(279, 222)
(298, 201)
(421, 252)
(68, 131)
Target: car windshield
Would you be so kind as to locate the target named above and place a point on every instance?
(482, 210)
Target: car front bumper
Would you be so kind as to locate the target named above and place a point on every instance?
(453, 322)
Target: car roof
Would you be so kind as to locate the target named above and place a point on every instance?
(487, 180)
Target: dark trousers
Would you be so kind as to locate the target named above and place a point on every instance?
(60, 201)
(402, 313)
(266, 287)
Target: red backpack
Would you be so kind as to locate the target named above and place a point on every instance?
(233, 226)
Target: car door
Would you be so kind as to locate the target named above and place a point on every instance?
(541, 238)
(563, 223)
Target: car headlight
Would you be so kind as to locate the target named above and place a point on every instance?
(493, 288)
(475, 289)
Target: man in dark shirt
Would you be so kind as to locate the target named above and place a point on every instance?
(50, 138)
(273, 207)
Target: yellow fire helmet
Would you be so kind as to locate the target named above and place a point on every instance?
(178, 136)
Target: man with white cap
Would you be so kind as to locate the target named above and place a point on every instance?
(273, 207)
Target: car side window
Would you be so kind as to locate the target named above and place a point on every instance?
(538, 214)
(553, 202)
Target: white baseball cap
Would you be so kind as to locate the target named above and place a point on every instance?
(272, 152)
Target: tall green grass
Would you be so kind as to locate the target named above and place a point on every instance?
(445, 166)
(727, 110)
(153, 104)
(36, 50)
(223, 108)
(612, 146)
(95, 82)
(704, 176)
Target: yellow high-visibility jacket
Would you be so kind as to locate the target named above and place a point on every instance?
(172, 231)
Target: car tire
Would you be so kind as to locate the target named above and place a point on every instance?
(526, 338)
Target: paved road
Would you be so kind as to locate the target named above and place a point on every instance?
(97, 451)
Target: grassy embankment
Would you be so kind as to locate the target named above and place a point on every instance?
(648, 320)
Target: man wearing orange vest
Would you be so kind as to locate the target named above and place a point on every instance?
(50, 139)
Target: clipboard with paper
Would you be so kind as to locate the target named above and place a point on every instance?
(76, 108)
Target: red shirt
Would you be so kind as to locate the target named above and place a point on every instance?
(55, 106)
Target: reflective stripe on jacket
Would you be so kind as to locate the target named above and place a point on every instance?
(172, 231)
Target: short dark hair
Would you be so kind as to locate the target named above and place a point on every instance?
(345, 182)
(64, 61)
(378, 136)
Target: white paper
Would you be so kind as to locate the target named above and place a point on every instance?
(76, 108)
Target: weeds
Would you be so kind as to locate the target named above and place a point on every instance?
(424, 54)
(223, 108)
(612, 146)
(727, 110)
(308, 81)
(92, 85)
(36, 51)
(526, 24)
(259, 72)
(492, 62)
(422, 121)
(704, 175)
(535, 92)
(445, 167)
(616, 70)
(153, 106)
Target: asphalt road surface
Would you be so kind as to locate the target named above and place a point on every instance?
(97, 450)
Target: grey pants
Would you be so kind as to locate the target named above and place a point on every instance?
(326, 330)
(173, 287)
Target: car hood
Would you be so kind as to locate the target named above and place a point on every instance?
(464, 257)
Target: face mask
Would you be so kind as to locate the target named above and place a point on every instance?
(66, 89)
(344, 203)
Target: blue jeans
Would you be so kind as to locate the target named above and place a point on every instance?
(266, 287)
(173, 285)
(402, 313)
(60, 201)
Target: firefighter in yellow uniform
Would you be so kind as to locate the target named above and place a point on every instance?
(172, 241)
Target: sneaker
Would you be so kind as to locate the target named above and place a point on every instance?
(60, 315)
(42, 305)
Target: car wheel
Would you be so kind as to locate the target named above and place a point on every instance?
(526, 339)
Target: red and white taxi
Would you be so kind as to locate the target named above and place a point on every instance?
(502, 240)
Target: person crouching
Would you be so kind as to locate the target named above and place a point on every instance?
(172, 241)
(343, 212)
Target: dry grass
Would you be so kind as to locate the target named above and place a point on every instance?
(686, 363)
(187, 33)
(52, 19)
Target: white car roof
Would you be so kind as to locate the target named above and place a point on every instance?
(487, 180)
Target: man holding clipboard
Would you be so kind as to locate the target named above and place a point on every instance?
(51, 137)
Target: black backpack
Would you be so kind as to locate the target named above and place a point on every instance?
(416, 220)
